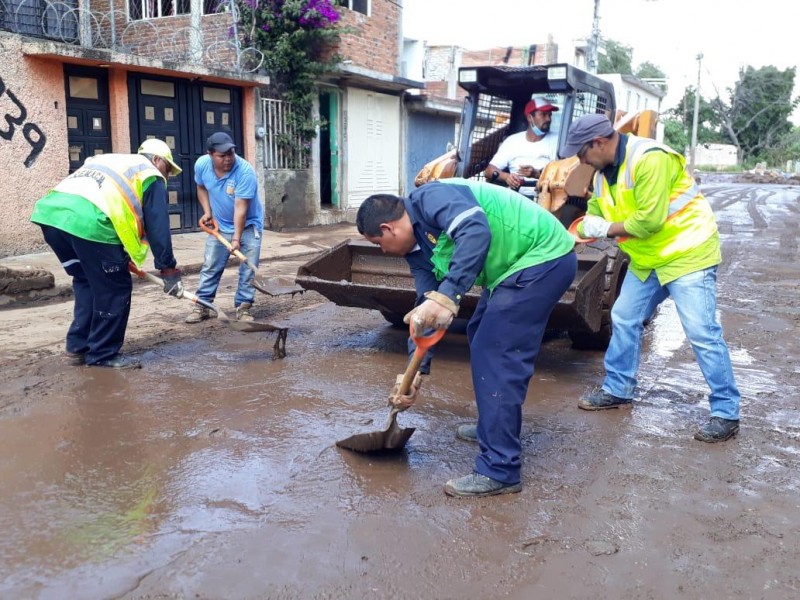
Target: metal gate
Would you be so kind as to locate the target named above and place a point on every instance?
(183, 113)
(88, 116)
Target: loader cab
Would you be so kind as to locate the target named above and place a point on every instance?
(493, 110)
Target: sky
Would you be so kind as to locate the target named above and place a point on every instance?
(668, 33)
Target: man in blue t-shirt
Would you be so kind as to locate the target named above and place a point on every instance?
(228, 191)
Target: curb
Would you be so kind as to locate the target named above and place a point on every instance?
(61, 292)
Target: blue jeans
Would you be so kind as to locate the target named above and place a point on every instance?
(216, 257)
(695, 298)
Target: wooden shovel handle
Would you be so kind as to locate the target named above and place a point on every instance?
(214, 230)
(422, 343)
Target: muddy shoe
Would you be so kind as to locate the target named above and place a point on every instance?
(601, 400)
(75, 359)
(477, 485)
(243, 312)
(468, 432)
(199, 313)
(717, 430)
(118, 362)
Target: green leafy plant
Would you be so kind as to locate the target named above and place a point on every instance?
(297, 38)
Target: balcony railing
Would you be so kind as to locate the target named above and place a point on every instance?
(211, 44)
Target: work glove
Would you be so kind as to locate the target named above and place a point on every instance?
(172, 282)
(436, 312)
(404, 401)
(593, 226)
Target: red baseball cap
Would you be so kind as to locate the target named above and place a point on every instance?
(538, 103)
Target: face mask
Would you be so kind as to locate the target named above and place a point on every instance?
(536, 130)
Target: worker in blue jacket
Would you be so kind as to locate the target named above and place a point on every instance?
(454, 234)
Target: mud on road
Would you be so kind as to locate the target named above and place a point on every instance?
(211, 473)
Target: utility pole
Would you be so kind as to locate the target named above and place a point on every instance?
(693, 147)
(594, 41)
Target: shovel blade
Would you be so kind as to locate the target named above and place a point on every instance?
(252, 326)
(277, 286)
(392, 437)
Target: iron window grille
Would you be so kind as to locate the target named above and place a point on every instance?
(283, 146)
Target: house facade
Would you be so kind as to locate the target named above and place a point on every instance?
(77, 82)
(360, 146)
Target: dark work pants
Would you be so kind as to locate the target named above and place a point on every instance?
(102, 287)
(504, 335)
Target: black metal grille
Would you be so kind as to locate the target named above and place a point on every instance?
(492, 118)
(55, 20)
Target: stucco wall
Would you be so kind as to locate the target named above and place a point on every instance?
(33, 141)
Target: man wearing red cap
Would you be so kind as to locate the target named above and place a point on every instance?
(526, 153)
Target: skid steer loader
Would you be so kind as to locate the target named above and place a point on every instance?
(356, 273)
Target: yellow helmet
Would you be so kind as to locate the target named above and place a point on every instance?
(160, 149)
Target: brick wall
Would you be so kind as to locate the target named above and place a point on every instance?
(375, 43)
(442, 63)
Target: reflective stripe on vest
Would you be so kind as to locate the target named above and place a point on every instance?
(689, 221)
(636, 148)
(128, 192)
(114, 184)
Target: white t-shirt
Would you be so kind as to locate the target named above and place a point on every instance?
(516, 151)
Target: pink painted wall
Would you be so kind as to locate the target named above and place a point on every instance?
(33, 115)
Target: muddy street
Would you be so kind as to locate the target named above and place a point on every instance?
(212, 472)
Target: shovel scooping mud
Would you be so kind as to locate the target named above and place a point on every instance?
(278, 350)
(392, 436)
(272, 286)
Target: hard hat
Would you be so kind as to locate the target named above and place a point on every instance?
(160, 149)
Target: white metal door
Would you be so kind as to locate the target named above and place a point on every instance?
(373, 145)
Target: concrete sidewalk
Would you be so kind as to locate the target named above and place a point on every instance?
(38, 277)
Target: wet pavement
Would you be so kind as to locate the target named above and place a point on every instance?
(212, 472)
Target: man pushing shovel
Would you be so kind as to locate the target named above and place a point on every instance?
(455, 233)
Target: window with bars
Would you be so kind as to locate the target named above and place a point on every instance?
(40, 18)
(212, 7)
(283, 147)
(360, 6)
(153, 9)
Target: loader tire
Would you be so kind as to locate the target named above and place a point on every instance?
(616, 268)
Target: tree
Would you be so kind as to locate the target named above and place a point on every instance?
(616, 59)
(675, 134)
(708, 121)
(648, 70)
(756, 117)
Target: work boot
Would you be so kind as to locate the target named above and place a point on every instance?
(468, 432)
(243, 312)
(477, 485)
(199, 313)
(600, 399)
(717, 430)
(75, 359)
(118, 362)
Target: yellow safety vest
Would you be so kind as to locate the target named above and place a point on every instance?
(690, 220)
(114, 183)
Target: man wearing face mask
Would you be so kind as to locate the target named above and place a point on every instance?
(524, 154)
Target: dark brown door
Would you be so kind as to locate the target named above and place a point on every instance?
(183, 113)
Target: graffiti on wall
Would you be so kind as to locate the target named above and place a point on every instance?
(30, 131)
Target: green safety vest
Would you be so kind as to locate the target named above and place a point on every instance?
(690, 220)
(114, 183)
(523, 235)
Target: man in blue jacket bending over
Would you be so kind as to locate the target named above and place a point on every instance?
(457, 233)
